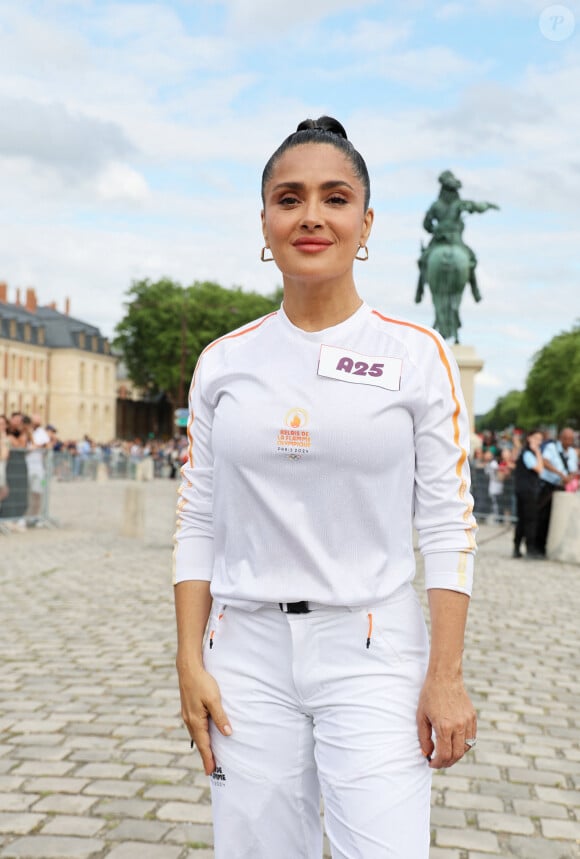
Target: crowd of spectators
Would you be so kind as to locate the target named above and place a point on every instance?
(514, 476)
(119, 458)
(29, 450)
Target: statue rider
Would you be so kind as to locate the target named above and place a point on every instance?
(445, 222)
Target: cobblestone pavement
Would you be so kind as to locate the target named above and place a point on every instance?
(94, 761)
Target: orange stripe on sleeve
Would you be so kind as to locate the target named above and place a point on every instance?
(455, 418)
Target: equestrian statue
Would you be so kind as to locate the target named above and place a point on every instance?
(447, 263)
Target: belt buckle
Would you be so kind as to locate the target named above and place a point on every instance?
(295, 607)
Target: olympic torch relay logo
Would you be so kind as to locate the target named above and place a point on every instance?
(293, 438)
(296, 418)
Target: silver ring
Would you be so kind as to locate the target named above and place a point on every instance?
(471, 743)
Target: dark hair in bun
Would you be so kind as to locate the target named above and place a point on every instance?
(325, 129)
(323, 123)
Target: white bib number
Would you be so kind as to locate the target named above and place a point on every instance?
(346, 366)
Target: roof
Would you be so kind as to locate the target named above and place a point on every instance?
(60, 330)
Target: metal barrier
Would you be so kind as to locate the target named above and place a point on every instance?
(114, 464)
(27, 477)
(496, 507)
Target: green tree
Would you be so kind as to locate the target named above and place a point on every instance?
(167, 325)
(505, 412)
(552, 392)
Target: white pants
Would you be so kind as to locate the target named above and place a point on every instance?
(314, 709)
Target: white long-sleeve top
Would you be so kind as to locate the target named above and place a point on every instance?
(311, 456)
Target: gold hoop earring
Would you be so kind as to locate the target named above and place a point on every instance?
(366, 251)
(263, 256)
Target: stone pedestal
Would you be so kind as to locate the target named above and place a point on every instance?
(469, 364)
(133, 524)
(144, 469)
(564, 534)
(102, 473)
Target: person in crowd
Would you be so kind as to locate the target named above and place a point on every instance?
(479, 485)
(84, 451)
(173, 458)
(15, 502)
(560, 466)
(39, 444)
(494, 485)
(55, 442)
(16, 422)
(529, 467)
(295, 518)
(4, 454)
(506, 467)
(136, 451)
(489, 442)
(20, 431)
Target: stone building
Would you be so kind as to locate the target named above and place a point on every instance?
(57, 367)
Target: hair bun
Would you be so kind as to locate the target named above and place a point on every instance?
(323, 123)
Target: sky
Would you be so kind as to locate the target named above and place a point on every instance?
(133, 136)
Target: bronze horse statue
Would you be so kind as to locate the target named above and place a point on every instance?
(447, 264)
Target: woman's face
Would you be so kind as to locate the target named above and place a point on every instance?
(314, 218)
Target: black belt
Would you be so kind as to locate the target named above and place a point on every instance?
(294, 607)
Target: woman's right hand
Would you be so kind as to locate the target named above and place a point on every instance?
(200, 702)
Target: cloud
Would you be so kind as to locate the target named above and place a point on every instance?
(36, 42)
(50, 135)
(118, 182)
(450, 10)
(366, 37)
(516, 332)
(254, 18)
(523, 7)
(156, 44)
(488, 380)
(380, 61)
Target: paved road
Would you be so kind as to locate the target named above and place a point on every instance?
(95, 763)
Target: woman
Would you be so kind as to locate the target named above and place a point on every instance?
(529, 466)
(316, 434)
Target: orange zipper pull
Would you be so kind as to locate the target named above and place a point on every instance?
(370, 632)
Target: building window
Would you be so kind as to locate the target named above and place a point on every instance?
(82, 376)
(13, 328)
(82, 339)
(41, 336)
(95, 346)
(27, 332)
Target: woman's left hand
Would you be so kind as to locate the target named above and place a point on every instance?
(445, 711)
